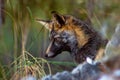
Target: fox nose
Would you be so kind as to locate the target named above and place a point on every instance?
(49, 54)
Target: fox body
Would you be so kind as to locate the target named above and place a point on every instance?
(68, 33)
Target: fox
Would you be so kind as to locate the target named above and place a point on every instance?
(68, 33)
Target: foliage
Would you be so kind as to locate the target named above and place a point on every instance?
(21, 37)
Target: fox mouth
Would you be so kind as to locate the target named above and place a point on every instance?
(49, 55)
(52, 54)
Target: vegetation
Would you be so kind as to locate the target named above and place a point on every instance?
(23, 41)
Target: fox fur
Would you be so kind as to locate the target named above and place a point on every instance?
(68, 33)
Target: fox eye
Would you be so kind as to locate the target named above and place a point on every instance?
(59, 38)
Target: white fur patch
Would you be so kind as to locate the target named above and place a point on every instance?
(90, 61)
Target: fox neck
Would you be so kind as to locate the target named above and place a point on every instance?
(78, 41)
(82, 38)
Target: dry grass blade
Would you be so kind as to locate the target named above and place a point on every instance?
(30, 66)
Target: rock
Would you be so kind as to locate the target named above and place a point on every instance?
(84, 71)
(91, 70)
(88, 71)
(48, 77)
(65, 75)
(28, 77)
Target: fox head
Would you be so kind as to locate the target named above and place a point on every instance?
(62, 34)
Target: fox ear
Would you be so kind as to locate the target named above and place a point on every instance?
(59, 18)
(44, 23)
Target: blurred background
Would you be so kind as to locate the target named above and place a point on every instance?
(20, 32)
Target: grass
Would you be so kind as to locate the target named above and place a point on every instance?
(23, 62)
(26, 65)
(29, 66)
